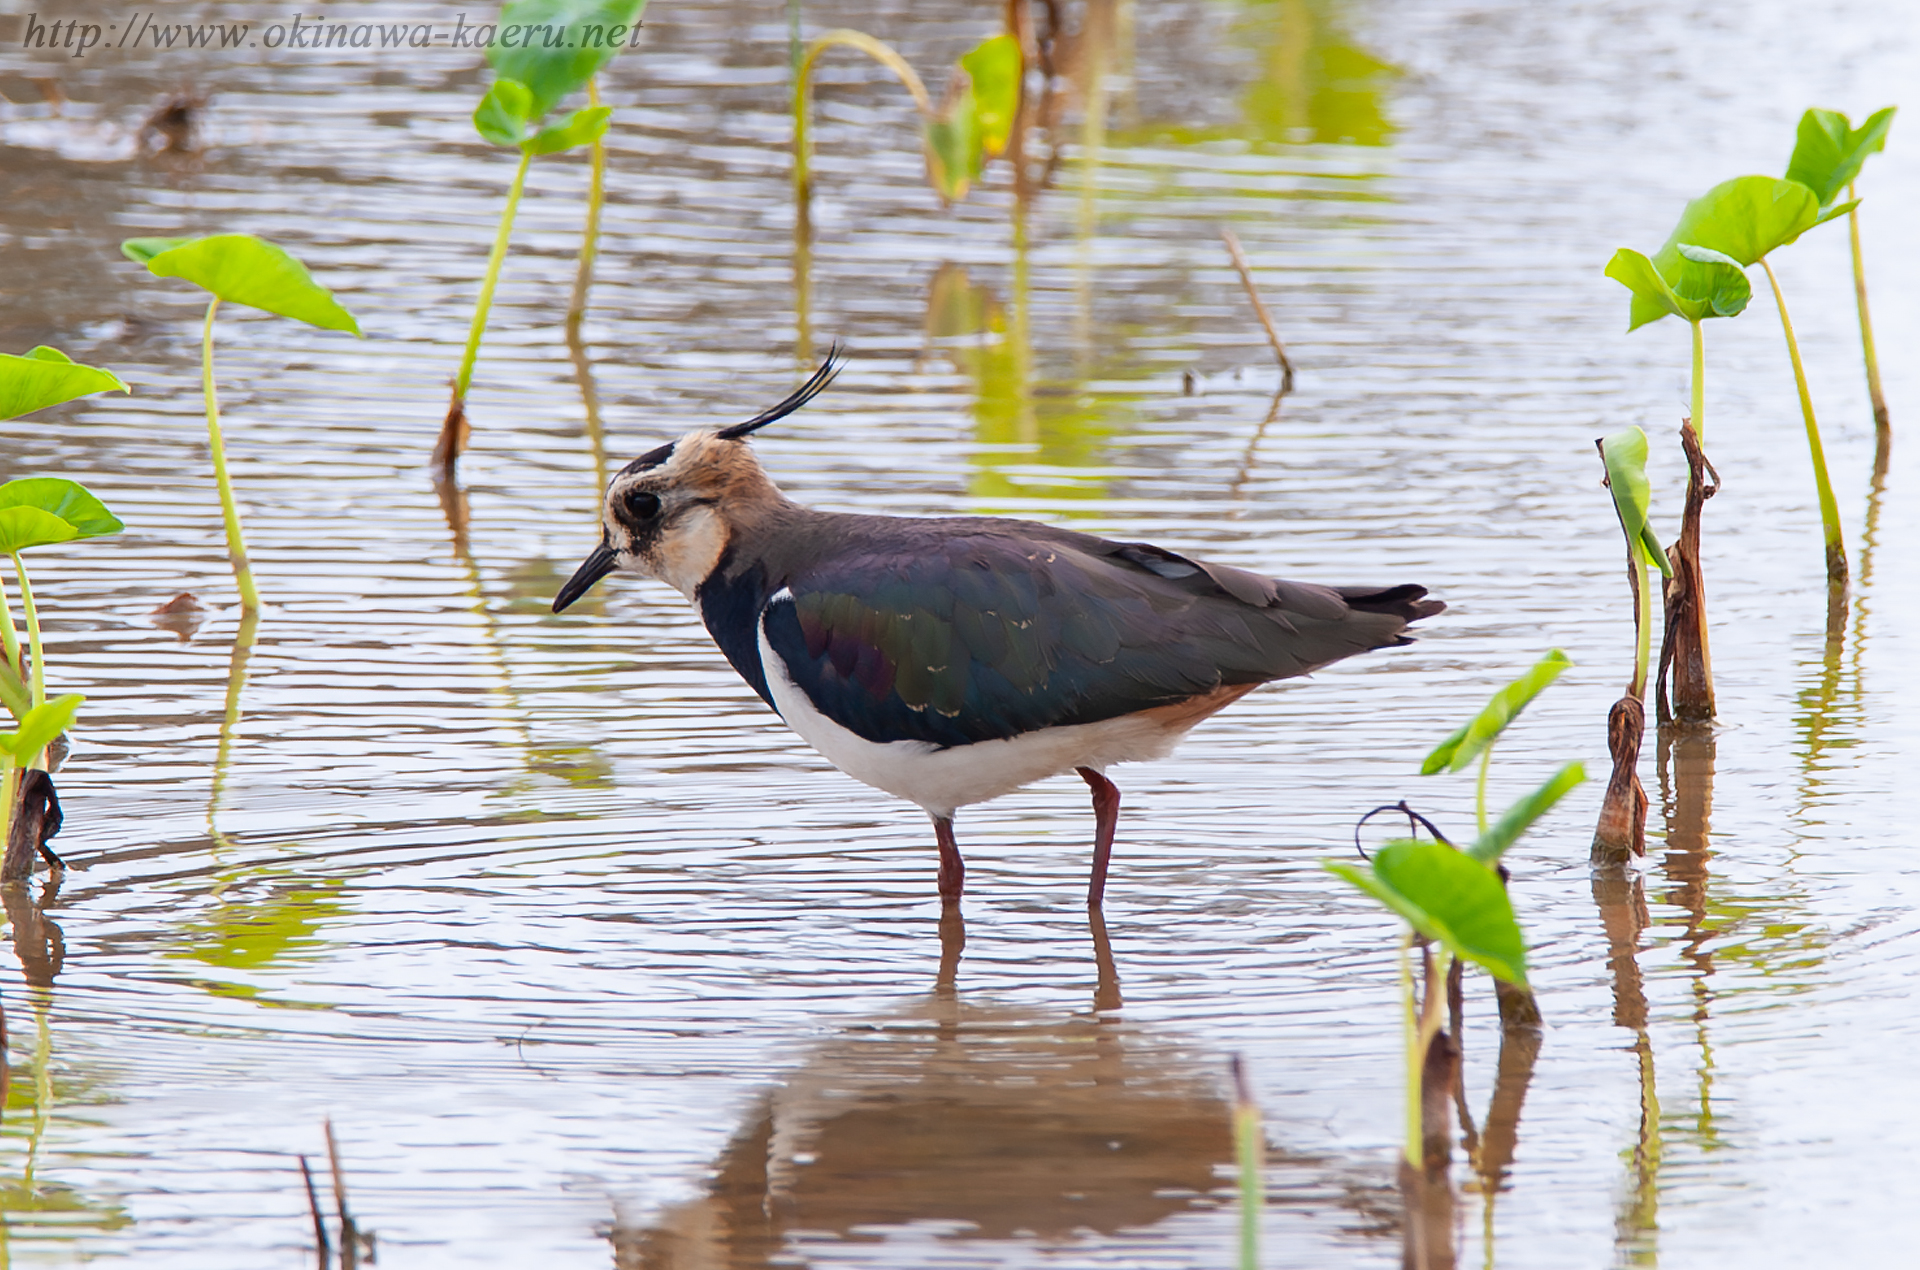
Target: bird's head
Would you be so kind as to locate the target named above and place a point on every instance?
(666, 514)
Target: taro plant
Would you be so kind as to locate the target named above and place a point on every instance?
(46, 377)
(1623, 814)
(35, 511)
(1741, 222)
(262, 275)
(972, 125)
(559, 46)
(1696, 285)
(1456, 899)
(1827, 156)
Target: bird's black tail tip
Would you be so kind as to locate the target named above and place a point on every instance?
(1406, 602)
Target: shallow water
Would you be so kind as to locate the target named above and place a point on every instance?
(589, 960)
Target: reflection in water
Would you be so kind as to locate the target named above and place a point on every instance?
(1030, 434)
(1316, 83)
(966, 1121)
(243, 642)
(1688, 802)
(31, 1207)
(1619, 893)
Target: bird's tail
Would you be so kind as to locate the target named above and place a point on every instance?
(1406, 602)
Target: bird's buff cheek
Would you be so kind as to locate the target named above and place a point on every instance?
(688, 551)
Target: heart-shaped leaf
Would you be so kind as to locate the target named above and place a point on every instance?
(1828, 152)
(36, 511)
(46, 377)
(1449, 897)
(1745, 218)
(1699, 289)
(582, 127)
(554, 47)
(994, 67)
(502, 115)
(953, 146)
(24, 527)
(39, 726)
(1625, 454)
(1503, 708)
(141, 250)
(246, 270)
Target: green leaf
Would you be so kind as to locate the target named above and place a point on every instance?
(582, 127)
(1491, 845)
(558, 45)
(24, 527)
(243, 269)
(37, 511)
(994, 67)
(1745, 218)
(39, 726)
(1828, 152)
(1696, 285)
(46, 377)
(1505, 706)
(141, 250)
(69, 500)
(1448, 897)
(953, 146)
(501, 117)
(13, 691)
(1837, 211)
(1625, 454)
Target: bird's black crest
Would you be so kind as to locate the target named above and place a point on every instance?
(806, 392)
(652, 458)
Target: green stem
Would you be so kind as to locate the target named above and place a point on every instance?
(1829, 509)
(1697, 408)
(1416, 1060)
(590, 239)
(8, 781)
(1879, 399)
(229, 512)
(243, 642)
(494, 261)
(9, 634)
(1249, 1144)
(802, 95)
(39, 682)
(793, 37)
(1642, 622)
(1480, 790)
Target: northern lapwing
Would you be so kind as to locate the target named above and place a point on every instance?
(949, 661)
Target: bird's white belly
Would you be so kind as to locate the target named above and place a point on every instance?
(940, 780)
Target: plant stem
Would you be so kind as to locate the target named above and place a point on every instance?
(1642, 621)
(1249, 1148)
(802, 81)
(229, 513)
(1697, 406)
(1480, 790)
(8, 632)
(1881, 422)
(793, 37)
(9, 781)
(39, 682)
(1415, 1057)
(590, 238)
(465, 379)
(1829, 509)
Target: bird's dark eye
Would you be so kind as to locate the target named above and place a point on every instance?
(642, 505)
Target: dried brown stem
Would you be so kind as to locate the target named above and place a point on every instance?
(1622, 830)
(1259, 307)
(1683, 645)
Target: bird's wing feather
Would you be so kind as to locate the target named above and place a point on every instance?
(959, 635)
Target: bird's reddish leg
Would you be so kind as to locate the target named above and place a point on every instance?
(1106, 814)
(953, 870)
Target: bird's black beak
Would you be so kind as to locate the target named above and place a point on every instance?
(591, 570)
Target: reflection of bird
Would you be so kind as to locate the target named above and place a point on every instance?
(949, 661)
(982, 1122)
